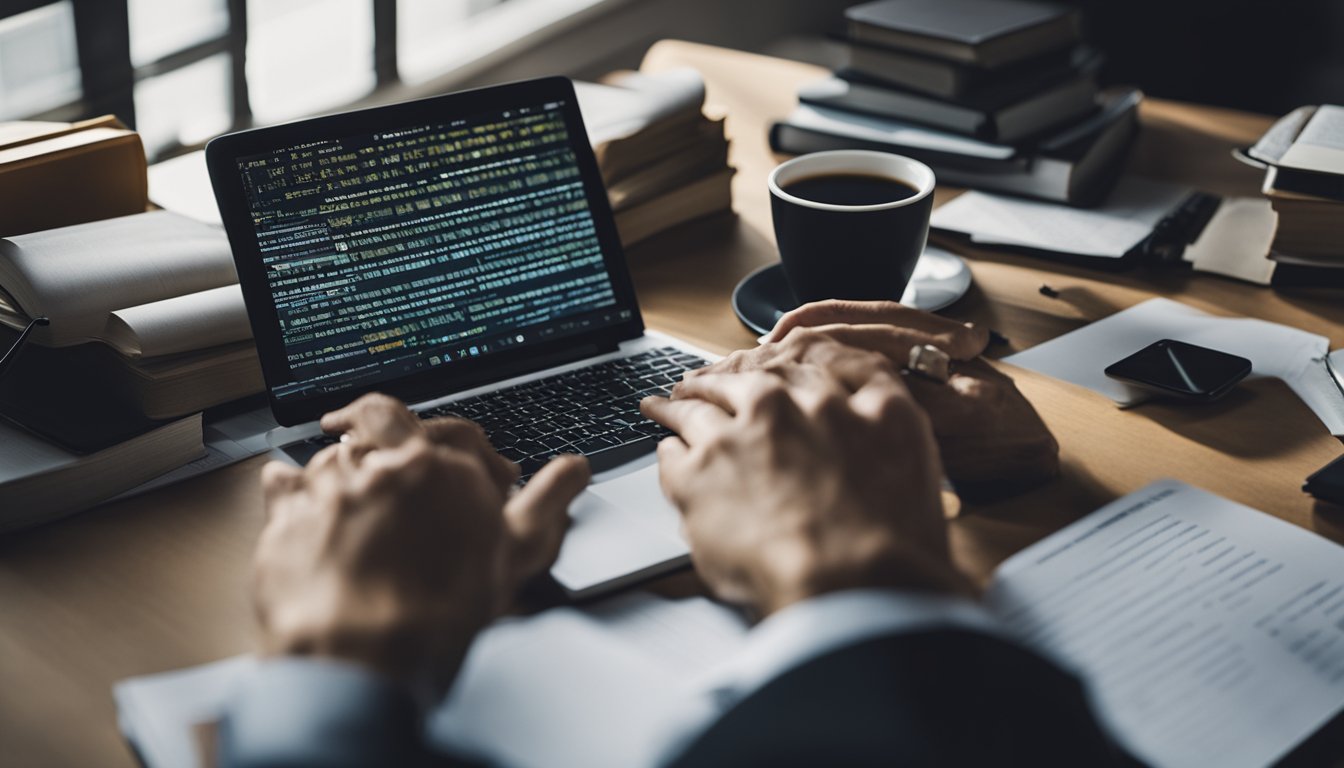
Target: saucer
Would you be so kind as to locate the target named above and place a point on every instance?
(763, 296)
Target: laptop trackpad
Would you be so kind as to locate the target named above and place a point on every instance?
(620, 527)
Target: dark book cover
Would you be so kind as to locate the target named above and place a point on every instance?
(67, 396)
(965, 83)
(1326, 185)
(969, 22)
(985, 33)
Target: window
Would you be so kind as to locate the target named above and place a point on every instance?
(182, 71)
(304, 56)
(39, 67)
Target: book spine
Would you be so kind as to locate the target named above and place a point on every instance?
(797, 140)
(939, 115)
(1325, 185)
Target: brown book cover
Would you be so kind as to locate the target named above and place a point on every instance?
(54, 175)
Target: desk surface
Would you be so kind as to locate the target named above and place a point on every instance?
(160, 582)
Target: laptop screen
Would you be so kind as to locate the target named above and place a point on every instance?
(390, 253)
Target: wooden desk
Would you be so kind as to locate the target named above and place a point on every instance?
(159, 582)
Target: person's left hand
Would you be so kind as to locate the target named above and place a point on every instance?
(991, 439)
(394, 547)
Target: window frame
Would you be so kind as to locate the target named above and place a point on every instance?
(108, 77)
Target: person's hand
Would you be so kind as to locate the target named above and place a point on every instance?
(806, 478)
(991, 439)
(392, 548)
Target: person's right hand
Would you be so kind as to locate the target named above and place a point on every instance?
(806, 479)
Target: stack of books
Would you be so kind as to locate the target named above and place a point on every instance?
(146, 328)
(994, 94)
(1304, 181)
(664, 161)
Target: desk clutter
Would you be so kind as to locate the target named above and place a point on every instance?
(1193, 663)
(1302, 360)
(146, 329)
(995, 95)
(1205, 630)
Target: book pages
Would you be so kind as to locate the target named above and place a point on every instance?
(635, 101)
(181, 324)
(77, 276)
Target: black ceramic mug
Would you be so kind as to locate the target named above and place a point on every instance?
(850, 224)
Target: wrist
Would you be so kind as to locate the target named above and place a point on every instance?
(874, 561)
(407, 649)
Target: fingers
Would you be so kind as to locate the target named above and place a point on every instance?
(732, 393)
(374, 420)
(467, 436)
(960, 340)
(536, 517)
(694, 420)
(673, 455)
(279, 479)
(883, 396)
(839, 311)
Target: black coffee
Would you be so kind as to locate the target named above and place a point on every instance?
(850, 189)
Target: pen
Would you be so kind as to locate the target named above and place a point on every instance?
(13, 352)
(1334, 374)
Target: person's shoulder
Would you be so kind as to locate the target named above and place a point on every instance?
(939, 696)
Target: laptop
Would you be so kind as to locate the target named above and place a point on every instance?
(459, 253)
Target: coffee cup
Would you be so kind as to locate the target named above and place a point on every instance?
(850, 224)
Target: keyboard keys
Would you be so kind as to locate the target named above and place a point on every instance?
(593, 411)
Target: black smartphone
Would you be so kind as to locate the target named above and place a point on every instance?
(1181, 370)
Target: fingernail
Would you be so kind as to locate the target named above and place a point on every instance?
(764, 339)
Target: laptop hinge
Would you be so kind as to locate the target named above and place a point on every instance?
(509, 370)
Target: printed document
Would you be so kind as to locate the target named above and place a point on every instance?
(1209, 633)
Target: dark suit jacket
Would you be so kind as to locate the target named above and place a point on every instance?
(937, 698)
(933, 698)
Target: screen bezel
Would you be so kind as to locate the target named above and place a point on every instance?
(222, 155)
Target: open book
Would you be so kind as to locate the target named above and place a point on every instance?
(150, 284)
(1208, 633)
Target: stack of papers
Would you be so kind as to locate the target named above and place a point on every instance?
(1109, 231)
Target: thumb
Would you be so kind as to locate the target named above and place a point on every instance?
(535, 518)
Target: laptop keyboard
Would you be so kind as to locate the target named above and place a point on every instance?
(592, 411)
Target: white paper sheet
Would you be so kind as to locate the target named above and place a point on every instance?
(1235, 243)
(592, 686)
(558, 690)
(1110, 230)
(1210, 633)
(1275, 350)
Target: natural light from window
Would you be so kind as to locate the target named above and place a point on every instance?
(39, 65)
(307, 56)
